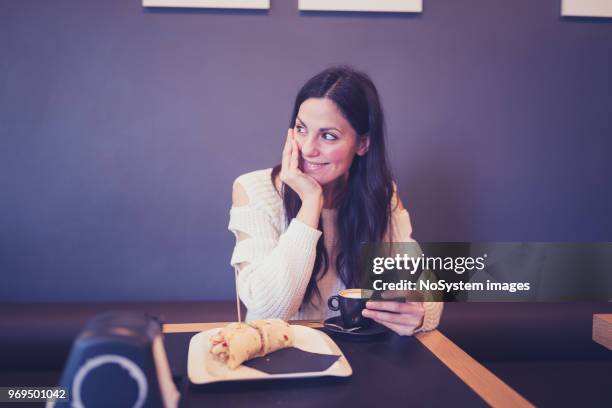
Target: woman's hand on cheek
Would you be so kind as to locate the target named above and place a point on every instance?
(402, 318)
(304, 185)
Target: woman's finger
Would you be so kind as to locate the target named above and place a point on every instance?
(383, 316)
(295, 154)
(396, 318)
(396, 307)
(404, 324)
(286, 159)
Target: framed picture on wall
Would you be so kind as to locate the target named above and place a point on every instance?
(388, 6)
(232, 4)
(586, 8)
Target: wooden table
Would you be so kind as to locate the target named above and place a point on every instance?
(484, 383)
(543, 351)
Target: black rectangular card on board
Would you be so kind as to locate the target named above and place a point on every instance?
(292, 360)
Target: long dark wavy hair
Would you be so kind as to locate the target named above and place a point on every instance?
(365, 205)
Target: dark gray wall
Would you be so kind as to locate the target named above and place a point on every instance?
(122, 129)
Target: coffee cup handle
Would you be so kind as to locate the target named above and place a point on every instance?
(330, 303)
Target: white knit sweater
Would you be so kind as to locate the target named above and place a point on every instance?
(281, 257)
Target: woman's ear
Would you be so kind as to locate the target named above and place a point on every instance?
(364, 144)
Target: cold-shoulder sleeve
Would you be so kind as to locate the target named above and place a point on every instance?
(278, 265)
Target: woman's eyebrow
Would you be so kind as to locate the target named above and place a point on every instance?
(330, 128)
(321, 129)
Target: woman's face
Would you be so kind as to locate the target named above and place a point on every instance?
(327, 141)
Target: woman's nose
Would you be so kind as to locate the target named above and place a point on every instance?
(309, 146)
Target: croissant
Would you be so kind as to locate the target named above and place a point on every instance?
(239, 342)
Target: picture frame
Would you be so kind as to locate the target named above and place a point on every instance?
(386, 6)
(226, 4)
(586, 8)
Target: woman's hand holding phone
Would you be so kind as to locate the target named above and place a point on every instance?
(402, 318)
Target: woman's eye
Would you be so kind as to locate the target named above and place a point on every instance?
(300, 129)
(329, 136)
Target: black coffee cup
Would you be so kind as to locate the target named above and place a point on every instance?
(350, 303)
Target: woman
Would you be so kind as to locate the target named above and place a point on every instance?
(333, 182)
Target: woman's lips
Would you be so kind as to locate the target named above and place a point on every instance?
(313, 166)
